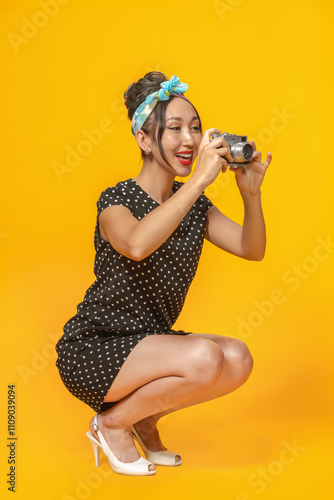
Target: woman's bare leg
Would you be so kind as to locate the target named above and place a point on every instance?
(238, 364)
(161, 372)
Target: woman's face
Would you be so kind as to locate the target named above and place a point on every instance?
(181, 137)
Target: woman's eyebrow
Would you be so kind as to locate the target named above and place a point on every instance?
(180, 119)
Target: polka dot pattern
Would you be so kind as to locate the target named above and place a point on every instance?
(129, 299)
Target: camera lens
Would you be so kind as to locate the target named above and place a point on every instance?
(241, 152)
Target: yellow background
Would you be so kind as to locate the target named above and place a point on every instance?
(247, 62)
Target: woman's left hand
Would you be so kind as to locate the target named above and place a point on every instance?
(249, 179)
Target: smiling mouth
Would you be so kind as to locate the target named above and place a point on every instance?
(185, 157)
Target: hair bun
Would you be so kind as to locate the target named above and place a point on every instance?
(137, 92)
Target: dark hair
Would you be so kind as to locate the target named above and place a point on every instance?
(137, 93)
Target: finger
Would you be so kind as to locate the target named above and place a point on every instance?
(216, 143)
(228, 155)
(267, 161)
(208, 133)
(237, 171)
(257, 156)
(252, 143)
(225, 152)
(221, 146)
(219, 143)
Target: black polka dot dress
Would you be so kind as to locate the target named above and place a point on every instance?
(129, 299)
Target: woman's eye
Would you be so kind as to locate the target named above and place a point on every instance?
(179, 128)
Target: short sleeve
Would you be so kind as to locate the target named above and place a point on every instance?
(203, 203)
(114, 195)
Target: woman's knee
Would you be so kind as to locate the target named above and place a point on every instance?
(205, 361)
(240, 355)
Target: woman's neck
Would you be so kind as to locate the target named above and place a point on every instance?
(156, 181)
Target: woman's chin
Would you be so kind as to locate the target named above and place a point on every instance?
(178, 169)
(183, 170)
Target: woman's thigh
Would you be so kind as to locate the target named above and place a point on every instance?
(157, 356)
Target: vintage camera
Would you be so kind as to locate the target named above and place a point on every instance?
(240, 150)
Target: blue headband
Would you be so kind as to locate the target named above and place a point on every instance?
(168, 88)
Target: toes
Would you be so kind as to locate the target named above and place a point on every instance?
(152, 467)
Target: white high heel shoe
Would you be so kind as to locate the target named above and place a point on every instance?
(166, 457)
(137, 468)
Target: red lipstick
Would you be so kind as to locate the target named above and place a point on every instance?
(185, 157)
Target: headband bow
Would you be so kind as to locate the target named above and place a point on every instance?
(168, 88)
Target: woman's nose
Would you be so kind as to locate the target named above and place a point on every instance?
(187, 138)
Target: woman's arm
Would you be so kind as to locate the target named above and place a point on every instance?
(249, 240)
(138, 239)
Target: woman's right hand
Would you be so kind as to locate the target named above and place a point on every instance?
(210, 159)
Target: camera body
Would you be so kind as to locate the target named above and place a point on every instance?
(240, 150)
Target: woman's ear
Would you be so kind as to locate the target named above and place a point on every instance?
(143, 140)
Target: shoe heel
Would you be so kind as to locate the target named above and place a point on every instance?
(166, 457)
(137, 468)
(96, 448)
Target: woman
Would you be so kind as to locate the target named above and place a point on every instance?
(119, 353)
